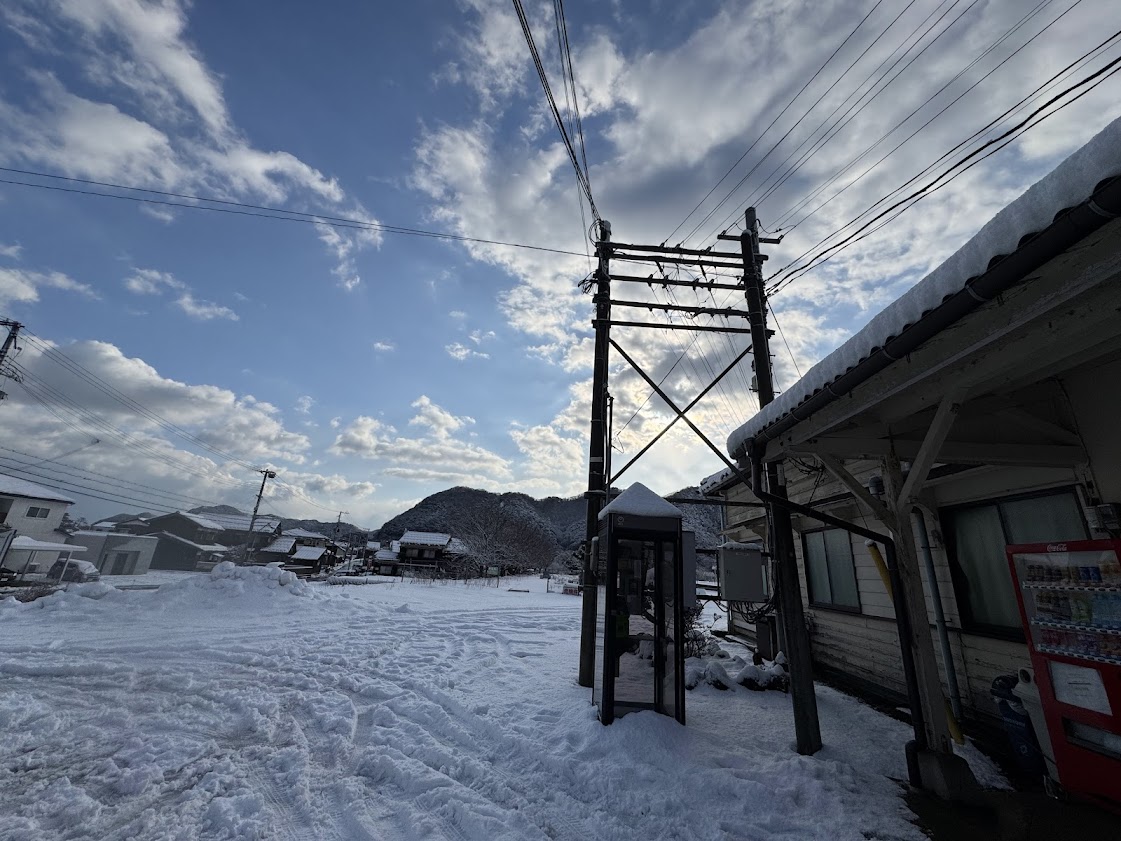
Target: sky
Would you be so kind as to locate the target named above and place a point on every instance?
(170, 351)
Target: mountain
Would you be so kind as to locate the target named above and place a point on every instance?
(452, 510)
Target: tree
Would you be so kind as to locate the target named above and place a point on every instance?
(501, 533)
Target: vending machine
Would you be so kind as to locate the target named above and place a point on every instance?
(1070, 604)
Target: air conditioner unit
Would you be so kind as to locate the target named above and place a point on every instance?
(742, 573)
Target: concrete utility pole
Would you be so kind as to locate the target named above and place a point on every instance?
(9, 343)
(265, 476)
(597, 444)
(780, 532)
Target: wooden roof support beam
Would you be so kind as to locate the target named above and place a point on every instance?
(878, 510)
(936, 433)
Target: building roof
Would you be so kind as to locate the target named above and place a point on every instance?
(308, 553)
(282, 545)
(386, 555)
(1071, 183)
(424, 538)
(213, 548)
(108, 534)
(232, 522)
(639, 501)
(373, 545)
(33, 545)
(457, 547)
(304, 533)
(11, 486)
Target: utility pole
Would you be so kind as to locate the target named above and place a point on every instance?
(266, 474)
(9, 343)
(780, 532)
(597, 444)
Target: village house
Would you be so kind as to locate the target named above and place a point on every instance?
(115, 553)
(296, 548)
(978, 410)
(193, 541)
(30, 516)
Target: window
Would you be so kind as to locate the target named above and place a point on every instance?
(975, 539)
(829, 569)
(38, 513)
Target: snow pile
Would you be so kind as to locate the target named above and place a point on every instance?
(723, 671)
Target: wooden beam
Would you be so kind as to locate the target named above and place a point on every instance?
(936, 433)
(951, 452)
(1025, 420)
(878, 510)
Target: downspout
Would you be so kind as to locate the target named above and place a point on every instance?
(939, 616)
(902, 617)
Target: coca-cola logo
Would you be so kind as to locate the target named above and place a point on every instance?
(1056, 547)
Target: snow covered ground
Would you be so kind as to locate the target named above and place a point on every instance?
(248, 705)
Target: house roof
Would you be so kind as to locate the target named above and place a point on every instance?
(1075, 181)
(121, 535)
(11, 486)
(308, 553)
(457, 547)
(33, 545)
(373, 545)
(304, 533)
(386, 555)
(231, 522)
(213, 548)
(425, 538)
(282, 545)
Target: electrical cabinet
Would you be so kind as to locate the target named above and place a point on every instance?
(742, 573)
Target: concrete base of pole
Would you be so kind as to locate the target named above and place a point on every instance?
(948, 776)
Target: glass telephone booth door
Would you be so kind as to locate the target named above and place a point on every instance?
(639, 640)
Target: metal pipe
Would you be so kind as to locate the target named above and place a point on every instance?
(939, 615)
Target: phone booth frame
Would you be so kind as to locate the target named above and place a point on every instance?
(639, 558)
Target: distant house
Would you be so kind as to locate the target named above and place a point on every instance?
(33, 513)
(207, 534)
(117, 553)
(177, 552)
(428, 550)
(295, 548)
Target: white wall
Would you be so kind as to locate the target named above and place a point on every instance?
(39, 529)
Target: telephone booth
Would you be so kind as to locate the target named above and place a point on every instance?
(640, 661)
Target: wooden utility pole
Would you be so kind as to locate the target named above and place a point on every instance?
(781, 534)
(597, 453)
(13, 332)
(266, 474)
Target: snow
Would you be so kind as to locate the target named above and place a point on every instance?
(424, 538)
(308, 553)
(30, 544)
(282, 545)
(247, 704)
(639, 501)
(314, 535)
(11, 486)
(1069, 184)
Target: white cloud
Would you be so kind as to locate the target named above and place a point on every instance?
(461, 352)
(458, 315)
(335, 422)
(479, 336)
(384, 347)
(203, 310)
(440, 422)
(151, 282)
(304, 404)
(11, 252)
(23, 287)
(162, 121)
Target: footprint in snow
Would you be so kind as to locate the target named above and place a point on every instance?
(403, 609)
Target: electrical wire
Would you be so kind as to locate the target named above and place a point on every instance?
(793, 99)
(259, 211)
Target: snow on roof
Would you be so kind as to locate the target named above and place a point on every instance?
(303, 533)
(201, 521)
(33, 545)
(1070, 183)
(207, 547)
(11, 486)
(308, 553)
(282, 545)
(373, 545)
(425, 538)
(639, 501)
(711, 483)
(233, 522)
(122, 535)
(386, 555)
(458, 547)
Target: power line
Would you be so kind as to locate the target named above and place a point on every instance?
(566, 139)
(961, 166)
(246, 209)
(820, 189)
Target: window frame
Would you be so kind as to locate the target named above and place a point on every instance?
(969, 624)
(842, 608)
(32, 512)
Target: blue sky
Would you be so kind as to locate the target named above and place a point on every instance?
(373, 369)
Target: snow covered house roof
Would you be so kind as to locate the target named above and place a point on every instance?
(457, 547)
(424, 538)
(32, 545)
(1074, 182)
(203, 522)
(373, 545)
(311, 535)
(11, 486)
(212, 548)
(282, 545)
(386, 555)
(308, 553)
(639, 501)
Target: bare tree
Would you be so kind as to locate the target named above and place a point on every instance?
(500, 533)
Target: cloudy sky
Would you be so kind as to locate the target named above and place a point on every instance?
(371, 368)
